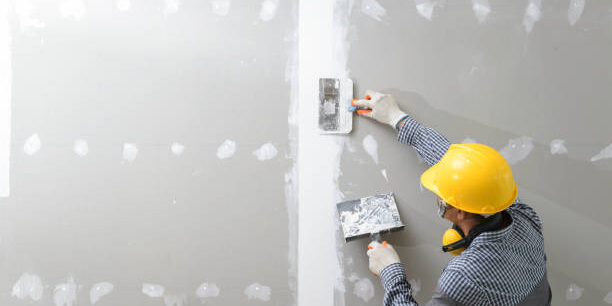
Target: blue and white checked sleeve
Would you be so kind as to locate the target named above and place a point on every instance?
(430, 144)
(397, 288)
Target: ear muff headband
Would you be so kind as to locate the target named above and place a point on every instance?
(453, 243)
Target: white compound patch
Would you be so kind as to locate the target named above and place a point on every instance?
(266, 152)
(32, 145)
(364, 289)
(177, 149)
(258, 291)
(268, 10)
(226, 149)
(373, 9)
(604, 153)
(80, 147)
(220, 7)
(153, 290)
(130, 151)
(28, 286)
(99, 290)
(370, 145)
(573, 292)
(65, 294)
(517, 149)
(557, 146)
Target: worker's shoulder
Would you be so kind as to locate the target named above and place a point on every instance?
(521, 211)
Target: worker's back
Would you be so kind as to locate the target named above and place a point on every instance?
(505, 267)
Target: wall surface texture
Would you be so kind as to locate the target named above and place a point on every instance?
(165, 152)
(149, 146)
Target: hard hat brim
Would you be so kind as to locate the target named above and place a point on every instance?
(428, 179)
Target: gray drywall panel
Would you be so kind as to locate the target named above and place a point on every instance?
(150, 75)
(492, 82)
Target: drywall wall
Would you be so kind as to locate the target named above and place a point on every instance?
(149, 147)
(521, 73)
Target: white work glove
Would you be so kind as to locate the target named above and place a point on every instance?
(381, 256)
(383, 106)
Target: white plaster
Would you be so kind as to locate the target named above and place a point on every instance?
(130, 151)
(23, 10)
(206, 290)
(266, 152)
(608, 298)
(573, 292)
(32, 144)
(533, 13)
(468, 140)
(177, 148)
(258, 291)
(370, 145)
(153, 290)
(28, 286)
(5, 99)
(175, 299)
(353, 277)
(604, 153)
(323, 51)
(171, 6)
(72, 9)
(384, 174)
(364, 289)
(99, 290)
(268, 10)
(574, 12)
(226, 149)
(415, 285)
(481, 9)
(557, 146)
(220, 7)
(65, 294)
(80, 147)
(517, 149)
(123, 5)
(373, 9)
(425, 8)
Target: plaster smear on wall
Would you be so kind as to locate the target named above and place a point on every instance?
(99, 290)
(266, 152)
(220, 7)
(370, 145)
(130, 151)
(481, 9)
(574, 12)
(364, 289)
(27, 23)
(557, 146)
(177, 149)
(226, 149)
(268, 10)
(608, 298)
(517, 149)
(207, 290)
(425, 8)
(28, 286)
(65, 294)
(5, 99)
(533, 13)
(153, 290)
(604, 153)
(72, 9)
(32, 145)
(384, 174)
(468, 140)
(123, 5)
(80, 147)
(171, 6)
(373, 9)
(258, 291)
(573, 292)
(415, 285)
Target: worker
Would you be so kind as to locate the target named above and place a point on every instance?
(497, 239)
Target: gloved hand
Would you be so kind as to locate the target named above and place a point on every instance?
(381, 255)
(384, 108)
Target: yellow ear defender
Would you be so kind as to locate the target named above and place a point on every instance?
(455, 241)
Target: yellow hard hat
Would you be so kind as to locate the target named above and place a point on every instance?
(472, 177)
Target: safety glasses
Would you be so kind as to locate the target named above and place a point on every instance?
(441, 207)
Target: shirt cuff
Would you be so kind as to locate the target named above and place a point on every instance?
(391, 274)
(408, 130)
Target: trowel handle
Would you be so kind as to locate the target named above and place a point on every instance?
(376, 237)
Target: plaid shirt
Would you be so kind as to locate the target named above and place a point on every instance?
(499, 268)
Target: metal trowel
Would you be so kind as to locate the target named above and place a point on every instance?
(334, 116)
(369, 216)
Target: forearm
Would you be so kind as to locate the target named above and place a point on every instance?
(429, 143)
(397, 288)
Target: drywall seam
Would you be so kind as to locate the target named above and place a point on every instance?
(5, 100)
(322, 52)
